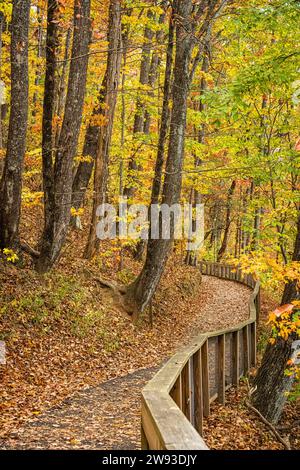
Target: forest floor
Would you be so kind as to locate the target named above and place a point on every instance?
(76, 364)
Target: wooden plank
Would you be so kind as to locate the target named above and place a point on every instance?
(176, 392)
(235, 358)
(144, 442)
(151, 434)
(186, 391)
(221, 369)
(168, 428)
(253, 344)
(205, 379)
(201, 267)
(197, 396)
(246, 349)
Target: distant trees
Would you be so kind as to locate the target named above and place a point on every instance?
(11, 181)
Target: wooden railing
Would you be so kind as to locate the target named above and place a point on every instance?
(175, 401)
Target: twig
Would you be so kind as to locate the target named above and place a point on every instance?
(269, 425)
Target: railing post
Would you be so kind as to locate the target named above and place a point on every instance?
(205, 379)
(246, 349)
(144, 442)
(186, 390)
(198, 404)
(235, 358)
(253, 344)
(257, 304)
(176, 392)
(221, 369)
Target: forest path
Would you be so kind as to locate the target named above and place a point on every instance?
(108, 416)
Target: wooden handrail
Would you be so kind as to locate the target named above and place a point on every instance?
(175, 401)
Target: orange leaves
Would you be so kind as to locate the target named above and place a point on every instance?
(98, 120)
(287, 308)
(285, 322)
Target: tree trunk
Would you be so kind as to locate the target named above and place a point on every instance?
(195, 196)
(223, 247)
(58, 177)
(2, 21)
(62, 85)
(85, 168)
(271, 382)
(154, 67)
(11, 182)
(141, 291)
(108, 111)
(139, 118)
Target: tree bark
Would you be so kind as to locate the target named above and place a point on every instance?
(223, 247)
(57, 177)
(62, 85)
(11, 182)
(2, 21)
(271, 382)
(195, 196)
(141, 291)
(139, 118)
(108, 111)
(85, 168)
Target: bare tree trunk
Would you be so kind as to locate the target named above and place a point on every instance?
(2, 21)
(154, 67)
(223, 247)
(164, 126)
(165, 118)
(11, 182)
(85, 168)
(39, 55)
(195, 196)
(271, 381)
(58, 177)
(138, 126)
(62, 84)
(108, 110)
(141, 291)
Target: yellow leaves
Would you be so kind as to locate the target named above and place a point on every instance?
(10, 255)
(267, 269)
(284, 321)
(84, 158)
(77, 212)
(32, 199)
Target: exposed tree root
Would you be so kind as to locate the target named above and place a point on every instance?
(29, 250)
(118, 291)
(270, 426)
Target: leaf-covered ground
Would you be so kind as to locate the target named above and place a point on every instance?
(69, 346)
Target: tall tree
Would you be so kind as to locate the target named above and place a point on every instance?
(271, 382)
(139, 117)
(107, 110)
(224, 244)
(141, 291)
(11, 182)
(108, 90)
(57, 174)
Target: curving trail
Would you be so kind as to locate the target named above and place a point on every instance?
(108, 416)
